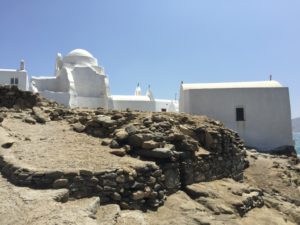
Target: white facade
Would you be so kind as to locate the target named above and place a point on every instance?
(80, 82)
(17, 77)
(258, 111)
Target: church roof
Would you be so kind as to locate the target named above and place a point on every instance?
(80, 52)
(256, 84)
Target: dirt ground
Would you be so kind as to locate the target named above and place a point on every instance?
(55, 146)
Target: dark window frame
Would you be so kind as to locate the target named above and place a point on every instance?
(240, 113)
(14, 81)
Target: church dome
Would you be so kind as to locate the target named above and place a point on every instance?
(80, 57)
(80, 52)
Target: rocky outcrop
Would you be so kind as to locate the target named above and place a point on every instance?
(12, 97)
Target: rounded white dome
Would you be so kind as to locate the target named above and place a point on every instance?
(80, 52)
(80, 57)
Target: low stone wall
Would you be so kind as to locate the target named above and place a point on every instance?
(184, 149)
(131, 188)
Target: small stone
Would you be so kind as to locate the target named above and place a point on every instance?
(121, 135)
(85, 173)
(118, 152)
(114, 144)
(127, 148)
(30, 120)
(136, 140)
(147, 191)
(131, 130)
(39, 115)
(78, 127)
(116, 196)
(120, 179)
(138, 195)
(105, 142)
(60, 183)
(160, 153)
(150, 144)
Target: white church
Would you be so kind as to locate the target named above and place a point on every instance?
(80, 82)
(258, 111)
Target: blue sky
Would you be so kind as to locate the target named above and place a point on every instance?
(159, 42)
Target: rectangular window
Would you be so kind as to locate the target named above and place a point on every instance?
(240, 114)
(164, 110)
(14, 81)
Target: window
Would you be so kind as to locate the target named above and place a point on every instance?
(14, 81)
(240, 114)
(164, 110)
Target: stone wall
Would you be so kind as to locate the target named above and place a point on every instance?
(131, 188)
(184, 149)
(12, 97)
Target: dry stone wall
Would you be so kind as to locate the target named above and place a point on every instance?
(184, 149)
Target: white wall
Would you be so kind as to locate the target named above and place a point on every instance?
(267, 112)
(147, 106)
(169, 105)
(6, 75)
(59, 97)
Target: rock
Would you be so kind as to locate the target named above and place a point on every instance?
(188, 145)
(138, 195)
(150, 144)
(62, 196)
(159, 153)
(127, 148)
(60, 183)
(114, 144)
(39, 115)
(118, 152)
(105, 121)
(121, 135)
(136, 140)
(106, 142)
(29, 119)
(86, 173)
(78, 127)
(116, 196)
(158, 118)
(131, 130)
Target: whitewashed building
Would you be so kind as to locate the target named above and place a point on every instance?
(80, 82)
(259, 111)
(17, 77)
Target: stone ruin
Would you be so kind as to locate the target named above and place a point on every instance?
(181, 150)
